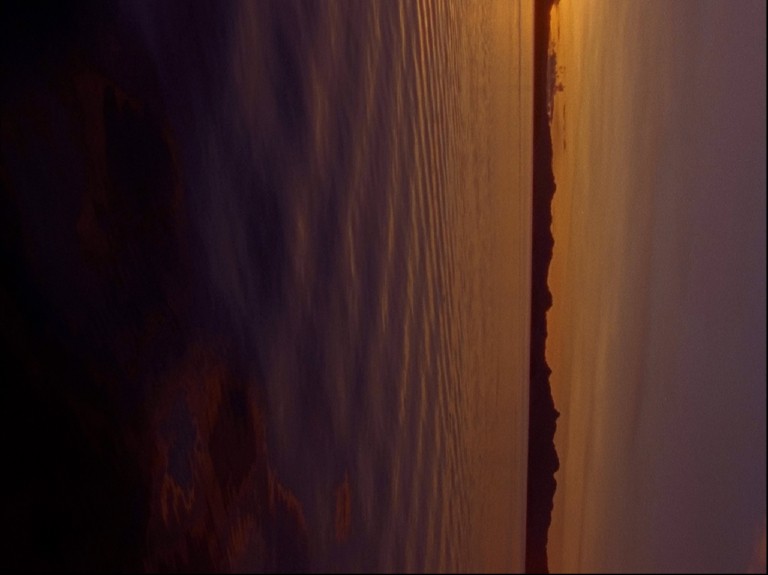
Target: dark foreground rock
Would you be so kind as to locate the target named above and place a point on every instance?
(131, 440)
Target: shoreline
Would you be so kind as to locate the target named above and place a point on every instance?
(543, 461)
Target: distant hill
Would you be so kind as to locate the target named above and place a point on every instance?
(542, 457)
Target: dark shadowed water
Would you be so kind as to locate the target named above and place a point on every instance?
(359, 176)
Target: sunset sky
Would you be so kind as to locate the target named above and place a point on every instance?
(657, 335)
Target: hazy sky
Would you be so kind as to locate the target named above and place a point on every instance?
(658, 330)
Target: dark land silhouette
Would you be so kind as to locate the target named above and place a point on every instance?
(542, 457)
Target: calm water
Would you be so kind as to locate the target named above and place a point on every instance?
(359, 176)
